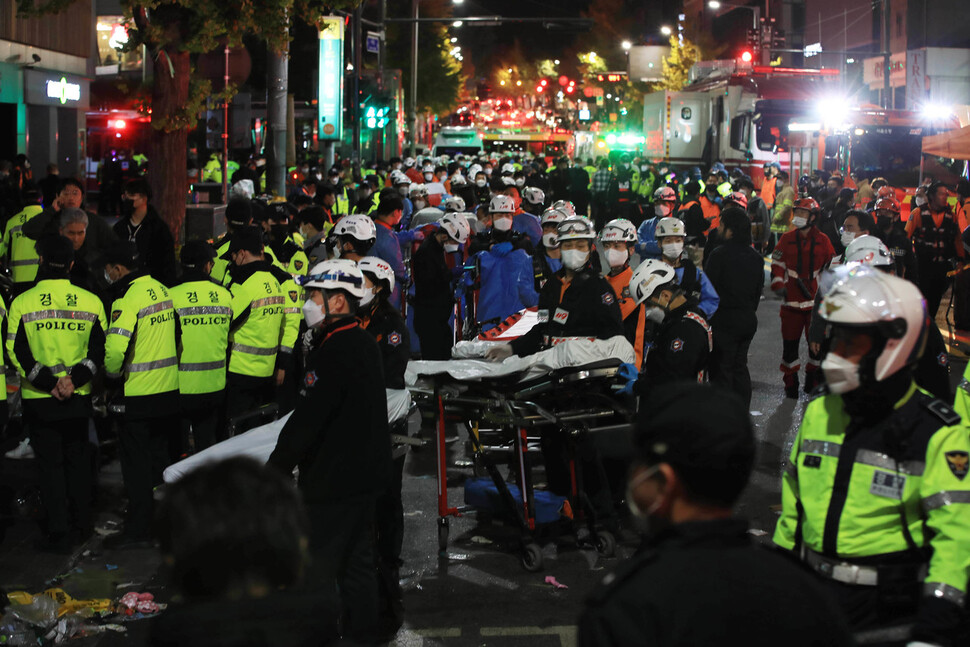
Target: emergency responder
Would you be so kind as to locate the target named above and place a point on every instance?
(548, 258)
(664, 204)
(259, 343)
(140, 351)
(618, 238)
(893, 233)
(622, 197)
(681, 491)
(352, 237)
(710, 201)
(680, 344)
(387, 245)
(768, 189)
(388, 328)
(142, 225)
(737, 273)
(239, 213)
(671, 234)
(781, 213)
(418, 195)
(800, 255)
(856, 223)
(758, 214)
(288, 252)
(341, 206)
(874, 493)
(314, 227)
(936, 238)
(502, 210)
(55, 337)
(600, 206)
(576, 302)
(526, 219)
(338, 435)
(19, 251)
(696, 225)
(204, 311)
(434, 300)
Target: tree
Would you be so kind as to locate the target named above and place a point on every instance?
(174, 31)
(676, 66)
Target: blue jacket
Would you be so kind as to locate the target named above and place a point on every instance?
(507, 281)
(647, 246)
(709, 299)
(387, 247)
(528, 224)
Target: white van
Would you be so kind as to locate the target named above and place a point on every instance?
(453, 141)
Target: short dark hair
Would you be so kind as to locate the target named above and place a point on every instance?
(313, 216)
(232, 523)
(70, 181)
(692, 188)
(138, 186)
(737, 222)
(963, 188)
(389, 204)
(864, 218)
(838, 180)
(783, 175)
(935, 186)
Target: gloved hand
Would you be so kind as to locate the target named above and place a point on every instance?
(418, 235)
(937, 622)
(629, 373)
(498, 352)
(502, 249)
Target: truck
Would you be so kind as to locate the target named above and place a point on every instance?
(457, 141)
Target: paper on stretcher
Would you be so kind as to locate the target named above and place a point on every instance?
(259, 443)
(575, 352)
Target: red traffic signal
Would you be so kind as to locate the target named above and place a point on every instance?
(539, 88)
(747, 56)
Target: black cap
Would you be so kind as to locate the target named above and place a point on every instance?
(704, 433)
(239, 212)
(196, 253)
(123, 253)
(57, 252)
(249, 239)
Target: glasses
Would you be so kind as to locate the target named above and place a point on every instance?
(574, 227)
(330, 276)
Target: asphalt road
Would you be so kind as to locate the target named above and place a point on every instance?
(476, 592)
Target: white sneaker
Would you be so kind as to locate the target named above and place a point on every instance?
(21, 451)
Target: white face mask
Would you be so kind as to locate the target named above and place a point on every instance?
(673, 250)
(662, 209)
(502, 224)
(841, 375)
(419, 205)
(480, 182)
(487, 171)
(368, 297)
(550, 240)
(313, 314)
(451, 248)
(847, 237)
(107, 278)
(641, 518)
(520, 181)
(617, 257)
(403, 190)
(920, 200)
(655, 314)
(799, 222)
(574, 259)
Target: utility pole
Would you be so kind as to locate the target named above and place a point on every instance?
(887, 55)
(277, 84)
(358, 32)
(413, 107)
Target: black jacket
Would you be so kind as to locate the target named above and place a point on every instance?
(155, 245)
(707, 583)
(390, 332)
(737, 273)
(588, 308)
(483, 242)
(680, 349)
(432, 276)
(98, 237)
(338, 433)
(901, 247)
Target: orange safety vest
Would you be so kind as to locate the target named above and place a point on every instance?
(712, 212)
(768, 192)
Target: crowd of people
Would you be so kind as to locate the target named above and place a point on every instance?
(317, 301)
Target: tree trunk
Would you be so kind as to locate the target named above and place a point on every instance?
(167, 173)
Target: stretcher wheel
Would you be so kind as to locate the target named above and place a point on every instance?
(532, 558)
(442, 534)
(605, 543)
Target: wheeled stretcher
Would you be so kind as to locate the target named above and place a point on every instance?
(509, 414)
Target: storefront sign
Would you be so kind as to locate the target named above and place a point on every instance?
(330, 103)
(63, 91)
(54, 89)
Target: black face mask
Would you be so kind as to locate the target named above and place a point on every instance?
(279, 232)
(127, 207)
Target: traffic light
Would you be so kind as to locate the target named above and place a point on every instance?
(746, 56)
(376, 116)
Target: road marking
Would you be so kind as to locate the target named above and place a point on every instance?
(566, 633)
(481, 578)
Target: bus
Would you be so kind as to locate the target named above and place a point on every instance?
(549, 144)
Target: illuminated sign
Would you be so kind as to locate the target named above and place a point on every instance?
(612, 77)
(331, 76)
(63, 91)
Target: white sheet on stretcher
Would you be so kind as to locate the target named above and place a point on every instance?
(575, 352)
(259, 443)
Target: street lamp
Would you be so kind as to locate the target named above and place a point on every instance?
(714, 4)
(457, 23)
(755, 10)
(666, 31)
(627, 45)
(458, 1)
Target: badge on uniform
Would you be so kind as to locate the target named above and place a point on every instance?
(114, 315)
(958, 462)
(942, 359)
(394, 339)
(812, 461)
(887, 485)
(293, 295)
(561, 316)
(625, 292)
(608, 298)
(543, 316)
(677, 345)
(310, 379)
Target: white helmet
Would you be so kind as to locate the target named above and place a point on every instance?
(885, 305)
(508, 167)
(337, 274)
(408, 162)
(619, 230)
(650, 275)
(869, 250)
(670, 226)
(456, 224)
(533, 195)
(418, 190)
(458, 180)
(380, 268)
(665, 193)
(575, 228)
(454, 204)
(501, 204)
(474, 170)
(356, 225)
(398, 178)
(565, 206)
(553, 216)
(507, 181)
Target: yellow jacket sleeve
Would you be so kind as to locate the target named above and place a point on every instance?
(945, 498)
(787, 528)
(123, 320)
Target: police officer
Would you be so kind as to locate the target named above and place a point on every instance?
(338, 435)
(56, 340)
(19, 250)
(875, 493)
(696, 555)
(256, 335)
(140, 352)
(239, 213)
(204, 310)
(314, 227)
